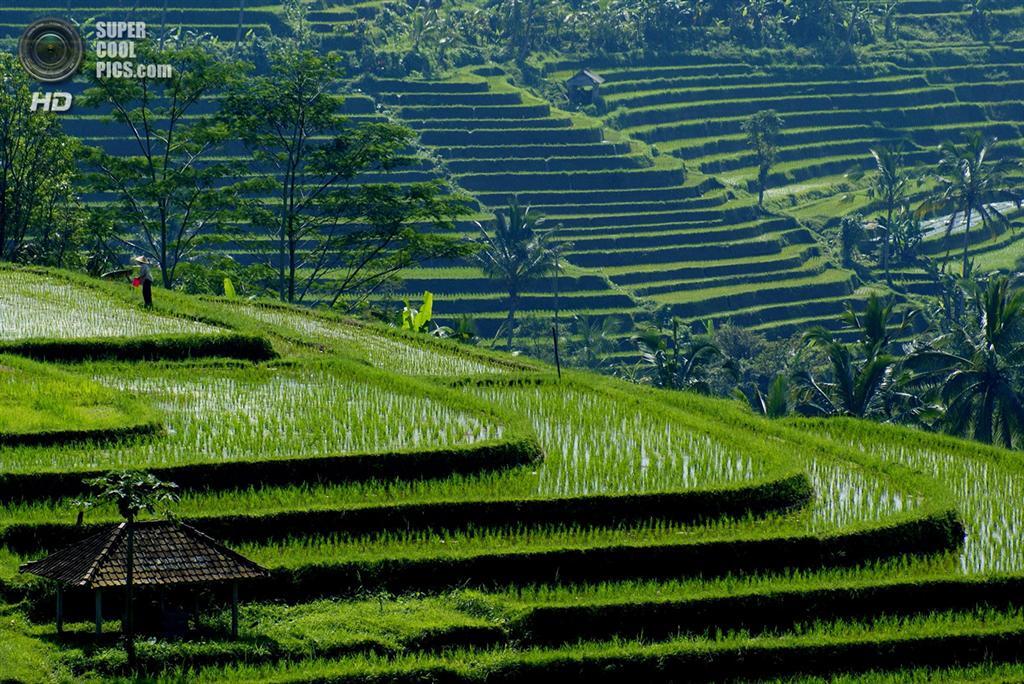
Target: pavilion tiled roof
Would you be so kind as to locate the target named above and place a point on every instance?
(166, 553)
(585, 76)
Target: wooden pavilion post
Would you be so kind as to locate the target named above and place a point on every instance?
(99, 612)
(234, 610)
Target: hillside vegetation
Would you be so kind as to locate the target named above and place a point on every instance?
(652, 187)
(431, 512)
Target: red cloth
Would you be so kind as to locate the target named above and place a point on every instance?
(136, 282)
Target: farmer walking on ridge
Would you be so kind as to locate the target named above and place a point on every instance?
(146, 280)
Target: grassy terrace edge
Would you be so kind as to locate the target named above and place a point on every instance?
(690, 507)
(168, 347)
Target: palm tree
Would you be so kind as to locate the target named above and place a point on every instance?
(861, 373)
(672, 362)
(596, 339)
(131, 492)
(889, 186)
(774, 403)
(975, 370)
(519, 250)
(969, 183)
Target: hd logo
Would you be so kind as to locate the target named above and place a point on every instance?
(51, 102)
(51, 51)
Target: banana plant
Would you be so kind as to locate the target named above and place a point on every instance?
(416, 320)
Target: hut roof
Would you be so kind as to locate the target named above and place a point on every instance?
(585, 77)
(166, 553)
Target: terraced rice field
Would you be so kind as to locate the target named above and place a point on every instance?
(644, 534)
(623, 214)
(917, 99)
(275, 414)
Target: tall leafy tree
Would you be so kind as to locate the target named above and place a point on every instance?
(762, 131)
(890, 16)
(333, 234)
(816, 22)
(970, 182)
(889, 186)
(518, 249)
(39, 213)
(851, 232)
(978, 22)
(171, 192)
(976, 369)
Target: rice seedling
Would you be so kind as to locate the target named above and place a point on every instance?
(988, 492)
(847, 491)
(229, 414)
(845, 494)
(379, 350)
(36, 306)
(596, 444)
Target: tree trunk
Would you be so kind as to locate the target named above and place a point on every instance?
(292, 267)
(885, 246)
(281, 242)
(511, 322)
(967, 243)
(129, 608)
(163, 24)
(241, 19)
(762, 183)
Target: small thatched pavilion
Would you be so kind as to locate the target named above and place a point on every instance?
(167, 555)
(583, 87)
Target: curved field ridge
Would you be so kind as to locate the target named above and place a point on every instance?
(688, 507)
(170, 347)
(986, 482)
(315, 576)
(280, 425)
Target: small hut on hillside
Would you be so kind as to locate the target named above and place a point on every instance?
(169, 558)
(583, 87)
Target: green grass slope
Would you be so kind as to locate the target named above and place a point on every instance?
(431, 512)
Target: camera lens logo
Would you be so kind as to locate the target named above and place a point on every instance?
(51, 50)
